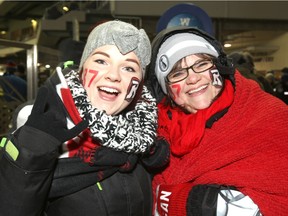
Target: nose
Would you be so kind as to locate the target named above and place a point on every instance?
(192, 77)
(113, 74)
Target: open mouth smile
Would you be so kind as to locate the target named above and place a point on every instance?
(197, 90)
(108, 90)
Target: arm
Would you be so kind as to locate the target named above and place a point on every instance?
(28, 156)
(26, 178)
(157, 158)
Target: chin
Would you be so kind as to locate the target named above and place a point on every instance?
(202, 106)
(111, 111)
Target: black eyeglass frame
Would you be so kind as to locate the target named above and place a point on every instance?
(191, 67)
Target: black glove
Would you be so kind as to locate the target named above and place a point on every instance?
(158, 156)
(129, 164)
(49, 115)
(202, 199)
(108, 157)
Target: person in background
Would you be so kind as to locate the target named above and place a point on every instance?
(90, 135)
(70, 50)
(244, 63)
(21, 71)
(270, 77)
(281, 89)
(13, 86)
(228, 137)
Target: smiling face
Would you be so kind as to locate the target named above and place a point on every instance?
(198, 90)
(111, 79)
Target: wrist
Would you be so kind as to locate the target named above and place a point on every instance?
(172, 199)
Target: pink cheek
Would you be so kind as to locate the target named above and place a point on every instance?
(84, 76)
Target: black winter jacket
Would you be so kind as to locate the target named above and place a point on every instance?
(25, 182)
(25, 186)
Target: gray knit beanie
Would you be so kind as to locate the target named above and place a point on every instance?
(125, 36)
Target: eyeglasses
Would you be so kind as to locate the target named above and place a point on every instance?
(181, 74)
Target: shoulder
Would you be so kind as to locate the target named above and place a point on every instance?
(15, 79)
(21, 114)
(250, 98)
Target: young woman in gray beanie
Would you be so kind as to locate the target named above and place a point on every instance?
(89, 136)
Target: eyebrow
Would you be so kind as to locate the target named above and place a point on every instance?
(133, 60)
(107, 55)
(101, 53)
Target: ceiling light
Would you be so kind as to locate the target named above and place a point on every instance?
(227, 45)
(65, 8)
(34, 23)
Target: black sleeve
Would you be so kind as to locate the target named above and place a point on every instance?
(27, 161)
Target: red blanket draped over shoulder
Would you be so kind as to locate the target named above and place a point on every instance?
(246, 148)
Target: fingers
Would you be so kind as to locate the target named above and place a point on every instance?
(80, 127)
(41, 99)
(130, 163)
(71, 133)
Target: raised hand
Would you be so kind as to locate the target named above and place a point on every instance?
(49, 115)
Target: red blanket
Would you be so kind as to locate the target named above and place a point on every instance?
(246, 148)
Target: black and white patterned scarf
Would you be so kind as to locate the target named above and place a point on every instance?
(131, 132)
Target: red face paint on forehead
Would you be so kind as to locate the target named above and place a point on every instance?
(132, 89)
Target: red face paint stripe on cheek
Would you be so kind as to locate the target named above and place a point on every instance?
(177, 87)
(94, 72)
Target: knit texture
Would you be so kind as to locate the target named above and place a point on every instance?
(177, 199)
(131, 132)
(246, 148)
(126, 37)
(185, 131)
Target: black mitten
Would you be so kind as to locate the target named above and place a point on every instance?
(130, 163)
(104, 156)
(108, 157)
(202, 200)
(49, 115)
(158, 156)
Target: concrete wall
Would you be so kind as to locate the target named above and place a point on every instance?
(278, 59)
(250, 10)
(215, 9)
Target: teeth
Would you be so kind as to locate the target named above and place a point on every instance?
(198, 89)
(110, 90)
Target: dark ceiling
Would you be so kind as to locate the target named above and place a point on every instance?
(47, 10)
(242, 32)
(21, 10)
